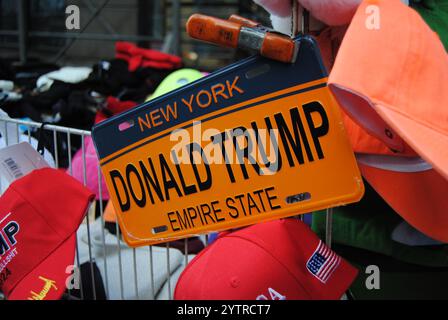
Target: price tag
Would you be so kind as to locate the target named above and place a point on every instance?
(18, 160)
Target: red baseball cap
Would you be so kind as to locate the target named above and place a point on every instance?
(277, 260)
(39, 216)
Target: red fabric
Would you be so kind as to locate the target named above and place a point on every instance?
(44, 208)
(139, 57)
(115, 106)
(253, 262)
(100, 116)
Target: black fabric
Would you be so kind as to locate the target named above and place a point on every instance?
(62, 145)
(22, 109)
(25, 76)
(88, 285)
(44, 101)
(109, 81)
(41, 139)
(112, 227)
(75, 105)
(6, 72)
(118, 81)
(98, 207)
(76, 111)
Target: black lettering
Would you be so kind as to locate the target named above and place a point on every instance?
(230, 206)
(141, 202)
(168, 183)
(192, 217)
(172, 221)
(3, 245)
(244, 153)
(183, 222)
(216, 211)
(316, 132)
(150, 180)
(126, 205)
(206, 213)
(240, 197)
(271, 197)
(258, 193)
(251, 204)
(299, 135)
(10, 230)
(263, 150)
(187, 189)
(220, 139)
(207, 183)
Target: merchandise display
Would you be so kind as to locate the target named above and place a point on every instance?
(401, 109)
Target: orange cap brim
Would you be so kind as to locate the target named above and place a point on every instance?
(419, 197)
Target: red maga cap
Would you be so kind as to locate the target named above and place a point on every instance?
(278, 260)
(39, 216)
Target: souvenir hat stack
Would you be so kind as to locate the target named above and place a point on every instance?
(391, 79)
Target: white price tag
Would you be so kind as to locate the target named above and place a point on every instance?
(18, 160)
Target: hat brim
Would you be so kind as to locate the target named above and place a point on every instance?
(419, 197)
(48, 280)
(176, 80)
(426, 141)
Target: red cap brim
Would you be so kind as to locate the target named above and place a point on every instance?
(48, 280)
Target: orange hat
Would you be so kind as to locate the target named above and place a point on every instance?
(406, 182)
(109, 213)
(391, 77)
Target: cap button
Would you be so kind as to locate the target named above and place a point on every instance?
(234, 282)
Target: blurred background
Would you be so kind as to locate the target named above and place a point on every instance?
(34, 30)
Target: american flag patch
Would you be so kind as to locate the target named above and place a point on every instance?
(323, 262)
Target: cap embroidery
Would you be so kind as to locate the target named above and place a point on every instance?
(323, 262)
(49, 284)
(274, 295)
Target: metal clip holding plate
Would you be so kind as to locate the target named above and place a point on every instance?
(239, 32)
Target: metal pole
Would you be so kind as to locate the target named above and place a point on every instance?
(145, 15)
(22, 26)
(158, 22)
(176, 27)
(329, 227)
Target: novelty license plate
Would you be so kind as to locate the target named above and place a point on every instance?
(256, 141)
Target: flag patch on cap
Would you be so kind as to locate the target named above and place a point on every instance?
(323, 262)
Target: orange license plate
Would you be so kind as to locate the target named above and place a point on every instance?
(261, 158)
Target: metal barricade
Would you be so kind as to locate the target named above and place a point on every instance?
(15, 127)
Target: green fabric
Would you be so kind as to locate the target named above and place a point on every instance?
(369, 224)
(397, 280)
(435, 14)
